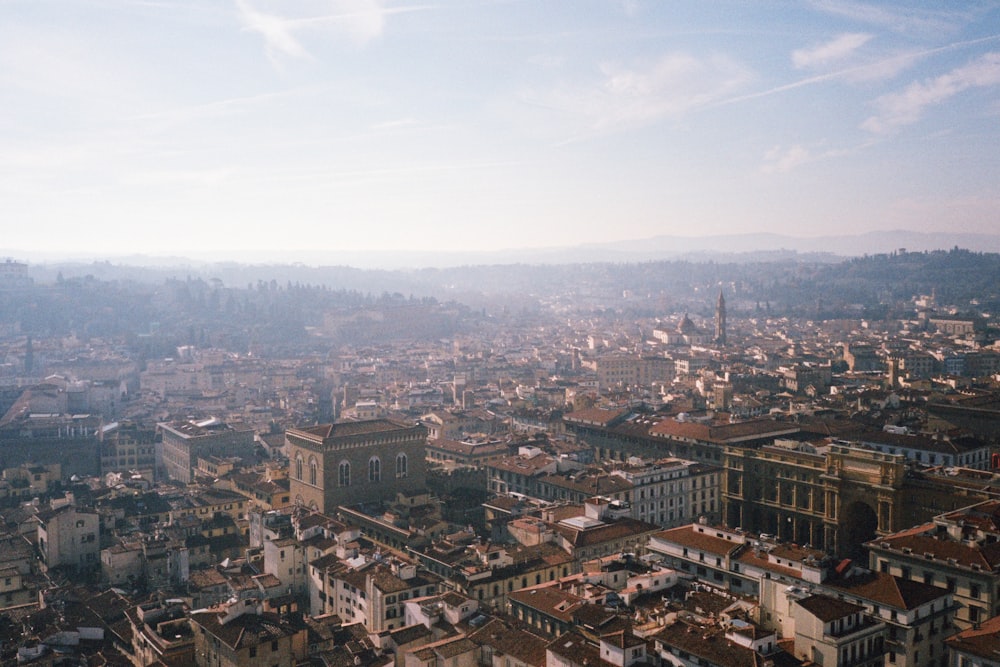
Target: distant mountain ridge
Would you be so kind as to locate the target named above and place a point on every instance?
(848, 245)
(737, 248)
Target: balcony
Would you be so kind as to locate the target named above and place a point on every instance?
(867, 626)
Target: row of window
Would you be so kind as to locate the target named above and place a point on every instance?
(344, 470)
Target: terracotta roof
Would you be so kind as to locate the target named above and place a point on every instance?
(317, 519)
(409, 634)
(921, 442)
(595, 416)
(622, 639)
(688, 536)
(983, 641)
(502, 502)
(246, 630)
(518, 644)
(384, 580)
(707, 643)
(574, 649)
(985, 515)
(604, 533)
(827, 608)
(347, 429)
(468, 448)
(548, 600)
(455, 646)
(750, 557)
(592, 484)
(722, 433)
(523, 465)
(794, 552)
(206, 578)
(888, 590)
(986, 557)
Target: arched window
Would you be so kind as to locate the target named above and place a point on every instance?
(344, 478)
(298, 466)
(400, 465)
(312, 471)
(374, 469)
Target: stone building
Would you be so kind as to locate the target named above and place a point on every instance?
(835, 633)
(242, 633)
(376, 593)
(836, 494)
(68, 537)
(624, 370)
(832, 497)
(354, 462)
(44, 438)
(184, 442)
(672, 492)
(957, 551)
(128, 447)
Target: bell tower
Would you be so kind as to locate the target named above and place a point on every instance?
(720, 320)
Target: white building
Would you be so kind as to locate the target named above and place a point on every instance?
(69, 537)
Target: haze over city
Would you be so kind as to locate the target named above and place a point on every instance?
(167, 127)
(499, 333)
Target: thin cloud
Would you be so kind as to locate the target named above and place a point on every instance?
(276, 31)
(781, 159)
(906, 20)
(896, 61)
(358, 22)
(784, 159)
(907, 106)
(628, 97)
(226, 107)
(836, 49)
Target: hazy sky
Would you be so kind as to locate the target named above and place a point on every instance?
(159, 126)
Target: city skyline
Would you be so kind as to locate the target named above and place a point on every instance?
(158, 127)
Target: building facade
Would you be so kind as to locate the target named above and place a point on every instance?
(355, 462)
(833, 498)
(69, 537)
(184, 442)
(956, 552)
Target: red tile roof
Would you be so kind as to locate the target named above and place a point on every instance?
(986, 556)
(722, 433)
(888, 590)
(983, 641)
(688, 536)
(595, 416)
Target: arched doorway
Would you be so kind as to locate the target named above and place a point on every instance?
(858, 525)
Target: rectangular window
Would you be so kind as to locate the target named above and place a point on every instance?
(973, 614)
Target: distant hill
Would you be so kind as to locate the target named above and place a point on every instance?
(761, 245)
(735, 248)
(278, 305)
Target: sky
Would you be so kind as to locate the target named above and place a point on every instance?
(241, 126)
